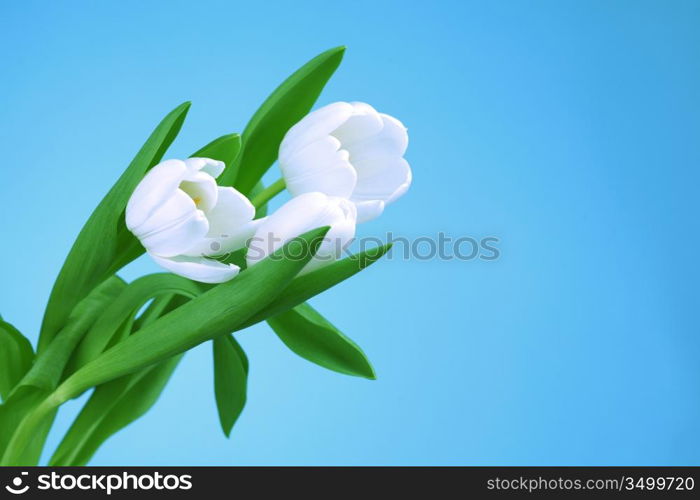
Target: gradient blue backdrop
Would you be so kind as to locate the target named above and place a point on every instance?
(567, 129)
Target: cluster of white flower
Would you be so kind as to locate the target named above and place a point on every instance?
(342, 164)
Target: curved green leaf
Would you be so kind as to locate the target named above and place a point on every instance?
(288, 104)
(154, 310)
(21, 402)
(112, 407)
(97, 247)
(117, 318)
(16, 357)
(309, 285)
(230, 380)
(46, 372)
(49, 366)
(116, 404)
(214, 313)
(226, 148)
(315, 339)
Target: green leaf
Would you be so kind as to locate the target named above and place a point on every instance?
(46, 372)
(230, 380)
(226, 149)
(112, 407)
(315, 339)
(49, 366)
(309, 285)
(116, 320)
(116, 404)
(94, 252)
(214, 313)
(21, 402)
(288, 104)
(16, 357)
(154, 310)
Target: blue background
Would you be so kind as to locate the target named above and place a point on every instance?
(569, 130)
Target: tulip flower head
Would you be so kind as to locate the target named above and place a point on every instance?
(182, 218)
(299, 215)
(351, 151)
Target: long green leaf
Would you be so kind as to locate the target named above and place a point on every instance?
(288, 104)
(114, 405)
(214, 313)
(117, 318)
(16, 357)
(46, 372)
(49, 366)
(309, 285)
(230, 380)
(93, 254)
(226, 149)
(155, 310)
(314, 338)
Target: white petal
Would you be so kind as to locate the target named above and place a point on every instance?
(314, 126)
(343, 222)
(335, 180)
(199, 268)
(401, 190)
(368, 210)
(321, 167)
(391, 140)
(172, 212)
(230, 224)
(299, 215)
(364, 123)
(178, 238)
(212, 167)
(382, 179)
(313, 155)
(202, 188)
(156, 188)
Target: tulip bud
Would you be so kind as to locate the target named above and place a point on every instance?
(348, 150)
(299, 215)
(182, 217)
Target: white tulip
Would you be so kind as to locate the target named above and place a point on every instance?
(348, 150)
(299, 215)
(182, 217)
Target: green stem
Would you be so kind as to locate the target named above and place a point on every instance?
(268, 193)
(29, 429)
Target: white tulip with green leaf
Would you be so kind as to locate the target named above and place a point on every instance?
(232, 266)
(182, 218)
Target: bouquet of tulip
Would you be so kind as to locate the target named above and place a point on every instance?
(231, 265)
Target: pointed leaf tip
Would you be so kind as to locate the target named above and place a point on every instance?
(287, 104)
(311, 336)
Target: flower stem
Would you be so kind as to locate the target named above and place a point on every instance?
(268, 193)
